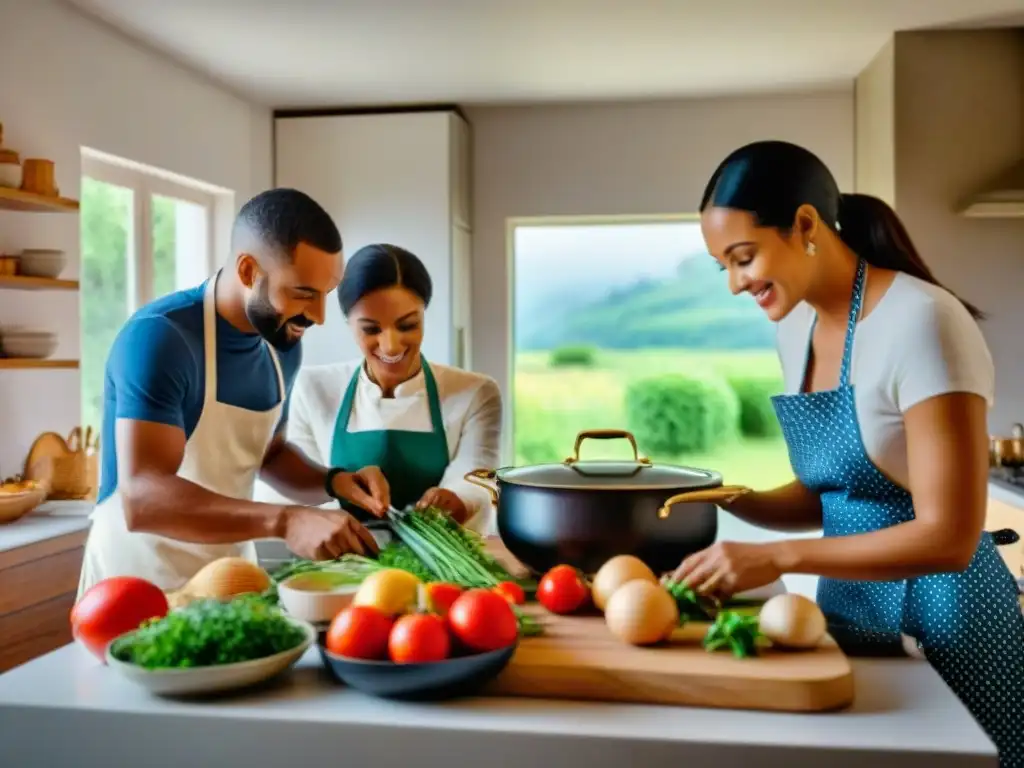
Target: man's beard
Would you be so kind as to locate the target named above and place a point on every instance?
(268, 321)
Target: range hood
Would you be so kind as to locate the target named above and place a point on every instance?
(1003, 198)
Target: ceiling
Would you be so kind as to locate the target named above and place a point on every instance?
(329, 53)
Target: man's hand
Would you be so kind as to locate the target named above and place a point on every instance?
(319, 534)
(445, 500)
(367, 488)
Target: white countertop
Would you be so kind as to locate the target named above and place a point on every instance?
(48, 521)
(65, 709)
(1006, 493)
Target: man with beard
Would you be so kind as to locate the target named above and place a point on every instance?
(195, 407)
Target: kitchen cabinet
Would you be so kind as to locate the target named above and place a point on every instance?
(38, 586)
(400, 178)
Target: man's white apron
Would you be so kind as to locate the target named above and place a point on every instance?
(223, 455)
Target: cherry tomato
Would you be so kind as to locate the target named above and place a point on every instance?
(511, 592)
(562, 589)
(483, 620)
(111, 608)
(360, 632)
(441, 595)
(417, 638)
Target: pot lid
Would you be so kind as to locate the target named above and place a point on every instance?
(611, 475)
(637, 475)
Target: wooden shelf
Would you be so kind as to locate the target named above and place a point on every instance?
(26, 283)
(18, 363)
(17, 200)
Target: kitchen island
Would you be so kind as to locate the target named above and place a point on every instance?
(65, 710)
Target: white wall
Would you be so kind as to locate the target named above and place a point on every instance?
(69, 82)
(959, 122)
(649, 158)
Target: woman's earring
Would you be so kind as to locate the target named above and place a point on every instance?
(811, 249)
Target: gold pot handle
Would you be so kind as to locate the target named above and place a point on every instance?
(606, 434)
(481, 478)
(723, 493)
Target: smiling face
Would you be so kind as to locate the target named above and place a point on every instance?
(770, 264)
(388, 326)
(289, 296)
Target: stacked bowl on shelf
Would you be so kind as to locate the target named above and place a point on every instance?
(27, 344)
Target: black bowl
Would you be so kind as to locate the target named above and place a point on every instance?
(430, 681)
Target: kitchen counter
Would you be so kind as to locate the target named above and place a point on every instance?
(48, 521)
(903, 716)
(1006, 492)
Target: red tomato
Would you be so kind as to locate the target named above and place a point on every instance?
(417, 638)
(483, 620)
(360, 632)
(562, 589)
(511, 592)
(111, 608)
(441, 595)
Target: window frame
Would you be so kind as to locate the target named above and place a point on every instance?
(144, 185)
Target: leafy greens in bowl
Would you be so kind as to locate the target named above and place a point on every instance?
(211, 645)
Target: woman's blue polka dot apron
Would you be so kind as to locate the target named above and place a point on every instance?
(968, 624)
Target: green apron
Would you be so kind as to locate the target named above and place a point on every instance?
(412, 462)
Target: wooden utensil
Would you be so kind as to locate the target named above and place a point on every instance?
(63, 464)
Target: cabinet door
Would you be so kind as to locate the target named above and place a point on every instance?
(462, 310)
(461, 172)
(384, 178)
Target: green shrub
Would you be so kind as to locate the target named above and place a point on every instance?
(757, 416)
(582, 356)
(676, 413)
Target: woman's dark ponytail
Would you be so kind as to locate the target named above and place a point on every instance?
(873, 231)
(772, 179)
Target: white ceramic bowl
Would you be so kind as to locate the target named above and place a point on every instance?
(36, 345)
(42, 262)
(304, 597)
(197, 681)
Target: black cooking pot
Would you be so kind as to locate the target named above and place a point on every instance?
(582, 513)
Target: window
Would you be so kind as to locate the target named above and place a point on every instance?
(632, 326)
(144, 234)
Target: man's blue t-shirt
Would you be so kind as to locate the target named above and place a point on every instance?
(156, 371)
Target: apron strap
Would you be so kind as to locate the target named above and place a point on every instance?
(433, 400)
(277, 367)
(210, 338)
(856, 301)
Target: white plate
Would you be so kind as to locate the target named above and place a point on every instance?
(219, 678)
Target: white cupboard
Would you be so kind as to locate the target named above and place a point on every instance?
(400, 178)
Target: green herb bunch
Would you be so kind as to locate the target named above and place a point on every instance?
(211, 632)
(691, 606)
(735, 632)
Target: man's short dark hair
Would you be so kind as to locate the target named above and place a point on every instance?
(281, 218)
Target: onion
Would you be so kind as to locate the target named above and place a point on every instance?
(223, 579)
(641, 613)
(614, 573)
(792, 621)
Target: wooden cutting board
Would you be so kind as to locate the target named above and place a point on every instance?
(578, 658)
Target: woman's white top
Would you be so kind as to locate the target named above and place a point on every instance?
(918, 342)
(471, 409)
